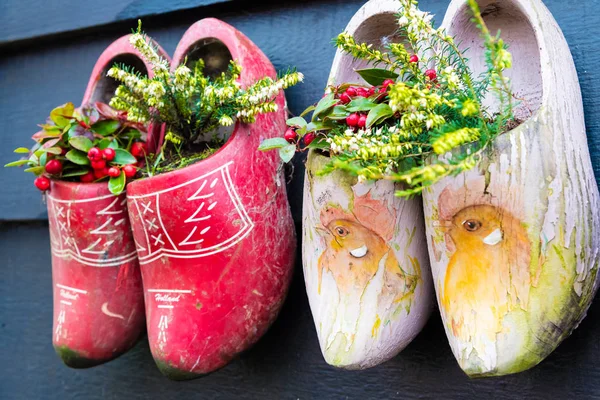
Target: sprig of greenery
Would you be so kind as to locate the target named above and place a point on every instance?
(189, 102)
(424, 105)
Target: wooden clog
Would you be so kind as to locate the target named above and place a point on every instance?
(514, 242)
(97, 286)
(215, 239)
(364, 250)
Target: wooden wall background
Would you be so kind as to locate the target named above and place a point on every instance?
(47, 51)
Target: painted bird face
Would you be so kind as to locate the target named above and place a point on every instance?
(477, 226)
(353, 253)
(354, 238)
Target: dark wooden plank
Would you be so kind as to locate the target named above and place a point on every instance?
(285, 364)
(36, 77)
(26, 19)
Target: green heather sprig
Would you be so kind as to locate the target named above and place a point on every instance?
(423, 105)
(190, 103)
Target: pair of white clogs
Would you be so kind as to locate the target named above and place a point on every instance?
(512, 244)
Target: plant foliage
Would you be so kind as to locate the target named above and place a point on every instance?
(424, 104)
(189, 102)
(70, 133)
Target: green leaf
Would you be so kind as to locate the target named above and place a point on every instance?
(106, 127)
(35, 170)
(43, 159)
(319, 143)
(287, 153)
(338, 113)
(318, 126)
(72, 131)
(132, 134)
(308, 109)
(81, 143)
(376, 76)
(104, 143)
(360, 104)
(273, 143)
(108, 143)
(75, 172)
(21, 150)
(77, 157)
(62, 115)
(326, 104)
(116, 185)
(123, 157)
(296, 121)
(53, 150)
(18, 163)
(379, 114)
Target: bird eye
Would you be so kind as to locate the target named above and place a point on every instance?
(341, 231)
(472, 225)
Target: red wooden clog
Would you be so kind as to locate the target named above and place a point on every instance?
(216, 239)
(98, 298)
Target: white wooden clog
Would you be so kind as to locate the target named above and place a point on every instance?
(364, 250)
(514, 242)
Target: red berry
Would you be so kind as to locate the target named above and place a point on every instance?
(54, 167)
(431, 74)
(109, 154)
(290, 135)
(114, 172)
(309, 137)
(87, 178)
(372, 91)
(63, 151)
(351, 91)
(344, 98)
(414, 58)
(129, 170)
(362, 92)
(352, 119)
(362, 121)
(139, 149)
(387, 82)
(100, 173)
(42, 183)
(95, 154)
(98, 164)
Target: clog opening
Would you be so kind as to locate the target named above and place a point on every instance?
(516, 30)
(213, 52)
(106, 86)
(216, 57)
(378, 30)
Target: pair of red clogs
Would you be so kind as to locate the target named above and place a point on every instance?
(213, 244)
